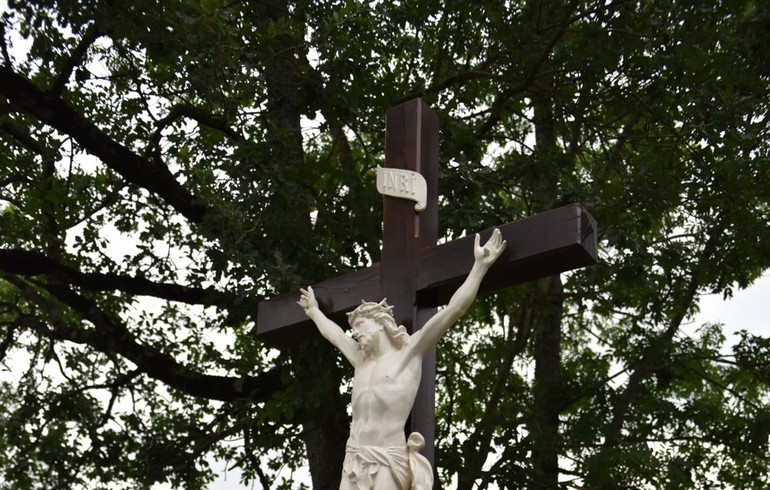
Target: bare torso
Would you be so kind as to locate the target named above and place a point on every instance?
(384, 389)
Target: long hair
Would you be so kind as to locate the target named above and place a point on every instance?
(382, 314)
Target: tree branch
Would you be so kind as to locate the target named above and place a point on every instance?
(75, 58)
(503, 97)
(4, 46)
(457, 78)
(110, 336)
(190, 448)
(21, 136)
(248, 449)
(202, 117)
(480, 441)
(646, 365)
(652, 357)
(724, 387)
(148, 173)
(26, 263)
(10, 333)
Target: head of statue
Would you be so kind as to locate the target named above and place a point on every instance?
(382, 314)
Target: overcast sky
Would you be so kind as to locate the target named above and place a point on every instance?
(746, 310)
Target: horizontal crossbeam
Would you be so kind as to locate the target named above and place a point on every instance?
(538, 246)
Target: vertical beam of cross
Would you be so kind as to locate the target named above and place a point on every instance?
(412, 143)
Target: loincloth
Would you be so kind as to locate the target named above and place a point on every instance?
(410, 469)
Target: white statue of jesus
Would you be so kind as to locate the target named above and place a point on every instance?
(387, 364)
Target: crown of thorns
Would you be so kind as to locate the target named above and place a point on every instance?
(371, 309)
(382, 313)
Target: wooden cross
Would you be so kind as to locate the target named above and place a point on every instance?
(415, 274)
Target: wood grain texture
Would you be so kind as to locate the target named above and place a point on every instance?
(555, 241)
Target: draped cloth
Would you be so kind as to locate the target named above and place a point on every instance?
(410, 469)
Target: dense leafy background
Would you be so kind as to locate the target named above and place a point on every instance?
(166, 165)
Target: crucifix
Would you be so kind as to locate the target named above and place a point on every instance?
(414, 273)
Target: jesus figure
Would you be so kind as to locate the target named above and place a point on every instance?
(387, 364)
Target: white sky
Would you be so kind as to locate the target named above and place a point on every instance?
(746, 310)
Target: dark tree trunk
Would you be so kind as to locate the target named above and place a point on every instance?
(325, 437)
(547, 389)
(325, 443)
(547, 339)
(286, 179)
(324, 420)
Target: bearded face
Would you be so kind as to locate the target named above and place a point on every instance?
(367, 333)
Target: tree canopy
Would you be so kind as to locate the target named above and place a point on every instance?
(164, 166)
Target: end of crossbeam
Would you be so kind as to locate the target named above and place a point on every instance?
(539, 246)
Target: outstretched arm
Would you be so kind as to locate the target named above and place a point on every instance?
(330, 330)
(484, 257)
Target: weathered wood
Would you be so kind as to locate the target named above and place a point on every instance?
(548, 243)
(412, 143)
(555, 241)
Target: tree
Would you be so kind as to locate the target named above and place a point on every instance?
(166, 167)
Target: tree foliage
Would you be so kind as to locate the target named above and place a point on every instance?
(164, 166)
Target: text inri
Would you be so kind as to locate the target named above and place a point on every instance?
(405, 184)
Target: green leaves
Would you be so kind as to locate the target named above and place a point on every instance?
(256, 128)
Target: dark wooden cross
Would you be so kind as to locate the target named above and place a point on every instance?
(415, 274)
